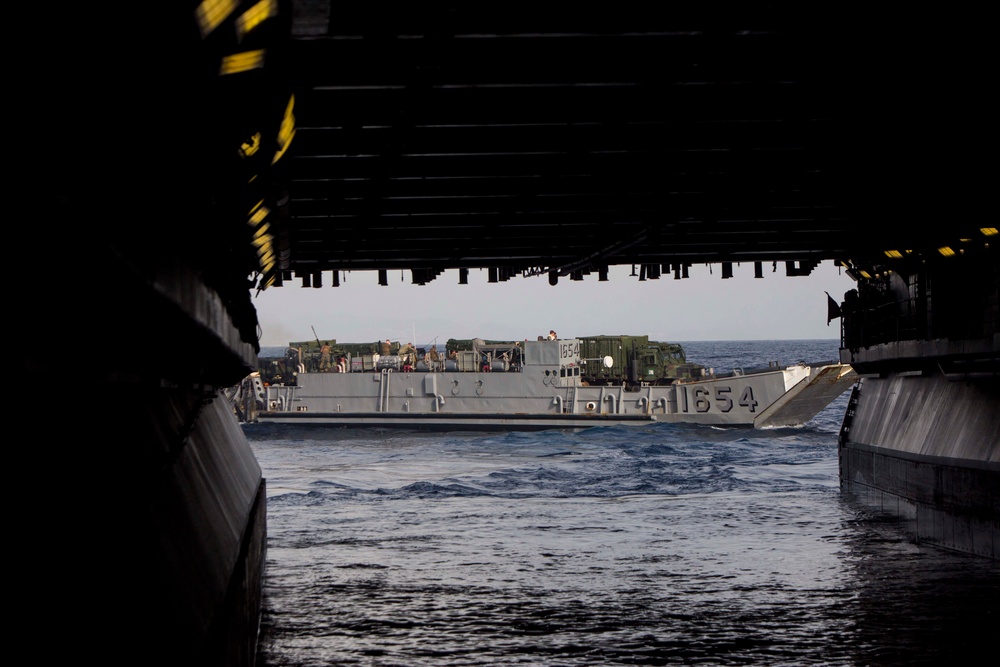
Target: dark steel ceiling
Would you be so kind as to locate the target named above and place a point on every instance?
(511, 138)
(537, 140)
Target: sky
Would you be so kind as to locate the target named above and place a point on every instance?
(703, 307)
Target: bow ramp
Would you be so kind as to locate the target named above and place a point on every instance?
(807, 397)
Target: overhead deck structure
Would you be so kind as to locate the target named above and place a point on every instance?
(543, 141)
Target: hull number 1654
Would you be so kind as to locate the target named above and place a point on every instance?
(702, 399)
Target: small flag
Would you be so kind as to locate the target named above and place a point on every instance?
(832, 309)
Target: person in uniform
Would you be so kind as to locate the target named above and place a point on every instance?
(407, 355)
(324, 357)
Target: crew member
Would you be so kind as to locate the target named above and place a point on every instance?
(407, 354)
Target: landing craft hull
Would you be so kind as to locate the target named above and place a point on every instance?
(539, 398)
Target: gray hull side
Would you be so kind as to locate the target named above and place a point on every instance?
(927, 450)
(531, 399)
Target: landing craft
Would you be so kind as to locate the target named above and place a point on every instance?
(533, 385)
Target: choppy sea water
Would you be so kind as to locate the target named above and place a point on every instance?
(647, 545)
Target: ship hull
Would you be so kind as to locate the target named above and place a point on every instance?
(540, 398)
(923, 449)
(149, 532)
(921, 437)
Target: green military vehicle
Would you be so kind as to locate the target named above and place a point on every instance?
(633, 361)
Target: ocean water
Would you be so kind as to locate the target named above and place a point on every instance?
(645, 545)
